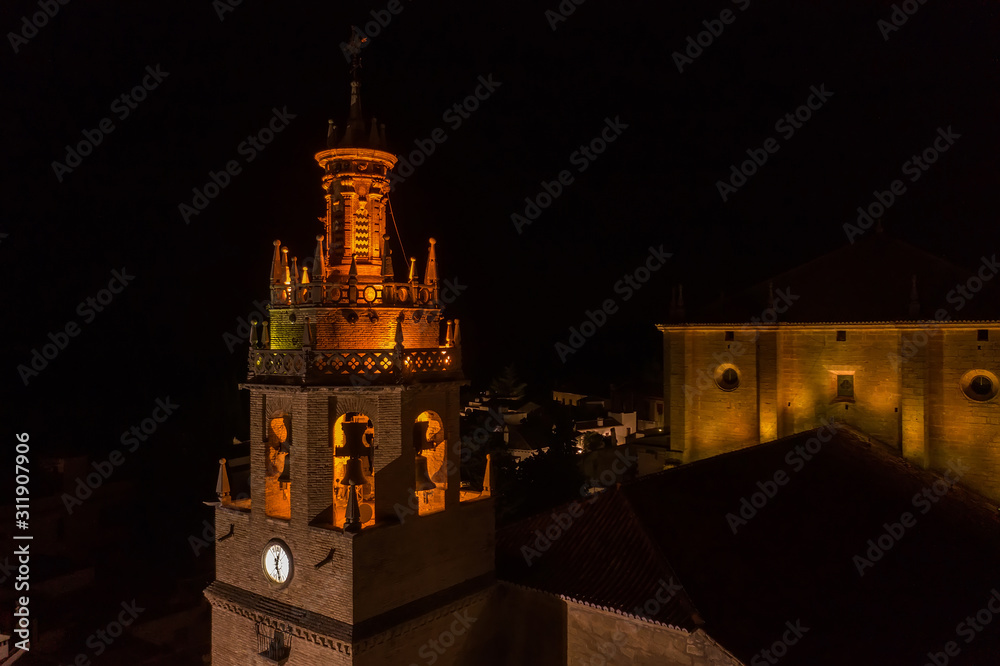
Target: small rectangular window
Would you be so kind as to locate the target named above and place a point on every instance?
(729, 335)
(841, 336)
(983, 335)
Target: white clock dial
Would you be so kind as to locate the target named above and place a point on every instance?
(277, 562)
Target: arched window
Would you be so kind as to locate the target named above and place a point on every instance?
(431, 463)
(359, 469)
(277, 479)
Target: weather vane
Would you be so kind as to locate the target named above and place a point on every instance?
(357, 42)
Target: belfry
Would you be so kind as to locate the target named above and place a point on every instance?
(357, 525)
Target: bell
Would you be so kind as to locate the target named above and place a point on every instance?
(286, 472)
(440, 476)
(352, 515)
(420, 435)
(423, 478)
(354, 440)
(353, 473)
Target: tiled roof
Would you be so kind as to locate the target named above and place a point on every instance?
(793, 561)
(604, 557)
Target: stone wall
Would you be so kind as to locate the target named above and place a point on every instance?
(908, 389)
(596, 636)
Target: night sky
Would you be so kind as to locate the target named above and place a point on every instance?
(222, 77)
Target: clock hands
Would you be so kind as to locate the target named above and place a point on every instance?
(277, 563)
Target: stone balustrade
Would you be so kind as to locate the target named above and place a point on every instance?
(354, 366)
(412, 294)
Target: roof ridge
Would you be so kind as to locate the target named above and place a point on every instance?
(588, 604)
(683, 597)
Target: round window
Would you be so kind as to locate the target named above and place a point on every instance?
(980, 385)
(727, 377)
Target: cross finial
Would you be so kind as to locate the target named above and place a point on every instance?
(355, 44)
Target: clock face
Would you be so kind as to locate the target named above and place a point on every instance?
(277, 563)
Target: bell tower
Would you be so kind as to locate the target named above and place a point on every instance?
(358, 527)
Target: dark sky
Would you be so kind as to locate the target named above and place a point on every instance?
(654, 185)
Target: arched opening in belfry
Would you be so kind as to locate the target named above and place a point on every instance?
(353, 448)
(277, 477)
(431, 446)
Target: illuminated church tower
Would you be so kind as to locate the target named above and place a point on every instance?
(357, 540)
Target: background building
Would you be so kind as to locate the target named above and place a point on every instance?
(878, 335)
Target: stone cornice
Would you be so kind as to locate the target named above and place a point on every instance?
(319, 629)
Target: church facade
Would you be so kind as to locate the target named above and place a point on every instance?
(879, 336)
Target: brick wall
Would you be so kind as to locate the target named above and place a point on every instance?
(961, 429)
(455, 634)
(810, 365)
(234, 643)
(331, 330)
(718, 421)
(907, 390)
(397, 563)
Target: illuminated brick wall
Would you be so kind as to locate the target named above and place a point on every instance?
(705, 420)
(383, 567)
(332, 331)
(812, 359)
(908, 390)
(961, 429)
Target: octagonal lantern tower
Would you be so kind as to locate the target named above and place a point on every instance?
(357, 521)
